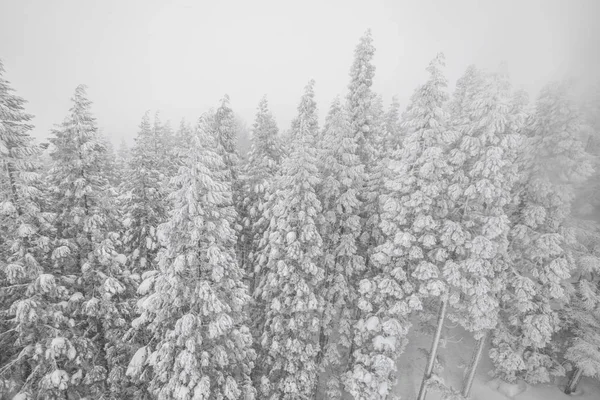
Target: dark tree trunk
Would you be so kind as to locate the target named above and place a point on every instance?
(473, 366)
(433, 352)
(574, 381)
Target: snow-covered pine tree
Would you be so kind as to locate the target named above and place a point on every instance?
(482, 191)
(485, 156)
(24, 243)
(292, 275)
(581, 315)
(466, 87)
(360, 97)
(407, 265)
(144, 199)
(377, 117)
(244, 142)
(182, 138)
(16, 143)
(163, 141)
(364, 112)
(225, 131)
(68, 337)
(541, 258)
(393, 131)
(343, 177)
(109, 164)
(200, 347)
(76, 189)
(16, 147)
(145, 206)
(263, 164)
(123, 155)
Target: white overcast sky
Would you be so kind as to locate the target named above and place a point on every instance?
(181, 56)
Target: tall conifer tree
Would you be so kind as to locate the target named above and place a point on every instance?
(292, 277)
(200, 346)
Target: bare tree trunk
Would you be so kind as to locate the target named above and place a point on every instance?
(574, 381)
(433, 352)
(473, 367)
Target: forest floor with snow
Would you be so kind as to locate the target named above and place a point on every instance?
(455, 353)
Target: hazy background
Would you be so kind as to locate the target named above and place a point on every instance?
(181, 56)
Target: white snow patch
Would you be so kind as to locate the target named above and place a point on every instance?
(380, 343)
(372, 323)
(121, 259)
(137, 362)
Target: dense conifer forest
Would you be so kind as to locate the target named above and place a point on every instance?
(185, 267)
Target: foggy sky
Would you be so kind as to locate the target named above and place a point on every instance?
(182, 56)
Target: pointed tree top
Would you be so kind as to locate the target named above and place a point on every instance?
(310, 86)
(336, 102)
(204, 130)
(365, 46)
(263, 103)
(262, 108)
(13, 109)
(307, 102)
(157, 118)
(145, 124)
(81, 105)
(472, 73)
(306, 123)
(439, 61)
(435, 69)
(80, 92)
(334, 109)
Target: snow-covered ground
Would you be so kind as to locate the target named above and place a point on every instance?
(455, 353)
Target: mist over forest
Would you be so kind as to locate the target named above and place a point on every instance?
(278, 202)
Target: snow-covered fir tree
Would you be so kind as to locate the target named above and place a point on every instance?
(581, 315)
(225, 131)
(145, 205)
(482, 188)
(541, 242)
(292, 275)
(466, 86)
(343, 177)
(16, 143)
(200, 346)
(407, 266)
(181, 140)
(144, 199)
(123, 155)
(16, 147)
(163, 141)
(263, 164)
(223, 261)
(69, 340)
(109, 165)
(226, 134)
(393, 131)
(360, 97)
(24, 245)
(244, 142)
(364, 110)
